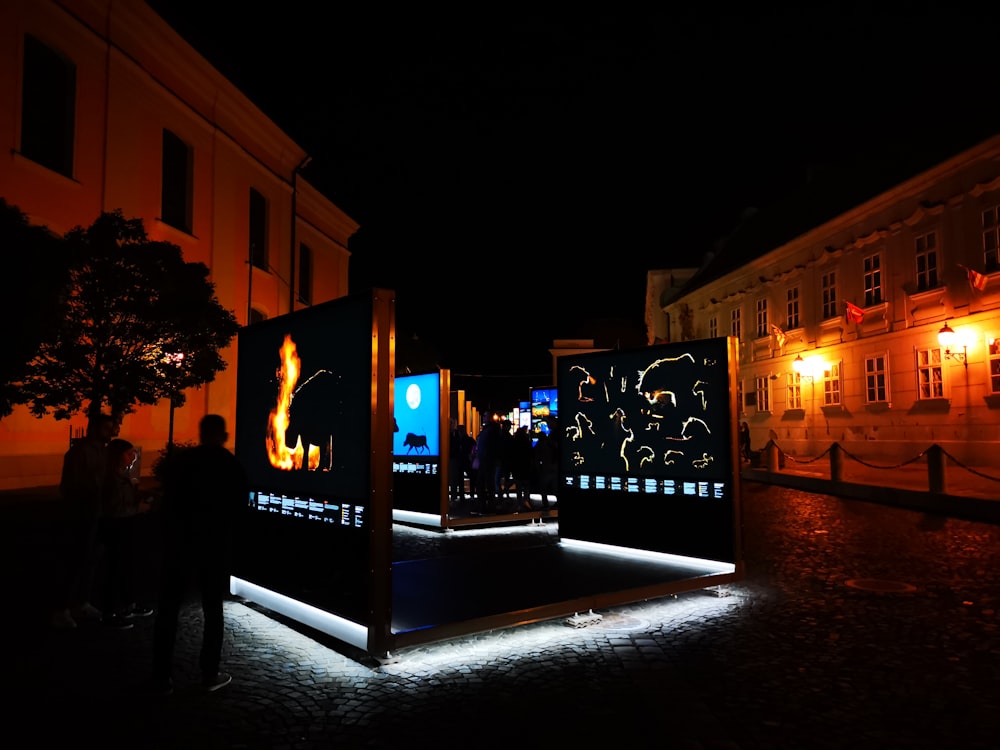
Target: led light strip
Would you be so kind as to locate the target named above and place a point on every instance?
(347, 631)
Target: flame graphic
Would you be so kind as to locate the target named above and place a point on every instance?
(278, 453)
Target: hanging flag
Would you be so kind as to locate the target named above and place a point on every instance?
(854, 313)
(779, 335)
(977, 280)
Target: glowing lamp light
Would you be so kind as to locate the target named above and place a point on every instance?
(810, 367)
(175, 359)
(948, 340)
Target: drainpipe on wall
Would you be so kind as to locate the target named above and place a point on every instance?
(291, 278)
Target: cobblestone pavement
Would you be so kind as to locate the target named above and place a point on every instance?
(857, 626)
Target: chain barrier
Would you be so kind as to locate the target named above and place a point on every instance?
(969, 468)
(795, 460)
(861, 461)
(894, 466)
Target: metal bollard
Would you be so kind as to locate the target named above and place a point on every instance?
(772, 456)
(836, 463)
(935, 469)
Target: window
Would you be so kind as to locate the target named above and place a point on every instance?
(258, 229)
(994, 365)
(175, 197)
(831, 385)
(734, 323)
(927, 261)
(762, 329)
(873, 280)
(305, 274)
(991, 238)
(793, 392)
(930, 377)
(257, 316)
(829, 287)
(792, 308)
(48, 107)
(740, 406)
(763, 391)
(876, 380)
(713, 327)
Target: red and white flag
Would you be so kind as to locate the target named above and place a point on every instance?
(779, 335)
(977, 280)
(854, 313)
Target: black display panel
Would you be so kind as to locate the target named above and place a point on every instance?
(647, 448)
(303, 433)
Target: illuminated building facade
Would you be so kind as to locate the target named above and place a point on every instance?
(843, 330)
(108, 108)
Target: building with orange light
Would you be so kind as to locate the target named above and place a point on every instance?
(878, 329)
(108, 108)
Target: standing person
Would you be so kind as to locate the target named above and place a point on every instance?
(521, 466)
(205, 490)
(459, 457)
(488, 455)
(546, 454)
(120, 505)
(80, 488)
(745, 441)
(503, 474)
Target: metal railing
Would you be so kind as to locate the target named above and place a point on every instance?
(937, 460)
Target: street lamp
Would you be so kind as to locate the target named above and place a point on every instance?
(811, 368)
(948, 338)
(176, 359)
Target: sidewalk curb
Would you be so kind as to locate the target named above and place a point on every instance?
(957, 506)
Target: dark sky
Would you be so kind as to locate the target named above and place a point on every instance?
(516, 176)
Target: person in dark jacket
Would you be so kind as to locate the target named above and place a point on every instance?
(81, 488)
(121, 504)
(488, 455)
(460, 447)
(205, 489)
(745, 441)
(521, 463)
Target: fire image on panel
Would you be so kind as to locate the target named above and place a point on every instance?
(298, 434)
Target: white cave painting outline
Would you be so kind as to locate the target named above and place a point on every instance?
(663, 419)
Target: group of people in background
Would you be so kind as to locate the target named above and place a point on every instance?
(502, 467)
(203, 490)
(102, 505)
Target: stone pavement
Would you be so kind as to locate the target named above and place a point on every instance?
(971, 492)
(858, 625)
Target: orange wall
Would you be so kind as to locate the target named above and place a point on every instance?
(135, 77)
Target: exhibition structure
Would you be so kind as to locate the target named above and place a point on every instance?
(338, 448)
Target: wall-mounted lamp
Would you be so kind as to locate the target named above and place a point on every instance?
(811, 367)
(948, 338)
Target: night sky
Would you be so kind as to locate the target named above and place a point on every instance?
(516, 176)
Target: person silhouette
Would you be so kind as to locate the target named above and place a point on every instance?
(745, 441)
(488, 455)
(120, 506)
(459, 460)
(205, 488)
(80, 488)
(521, 464)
